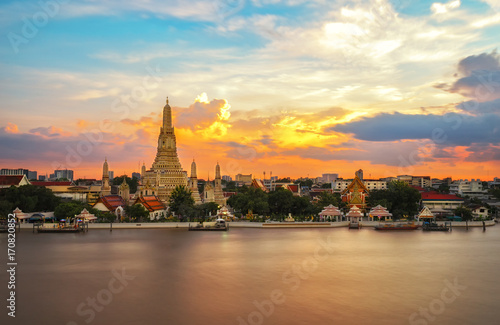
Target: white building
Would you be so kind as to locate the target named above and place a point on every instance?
(372, 184)
(466, 187)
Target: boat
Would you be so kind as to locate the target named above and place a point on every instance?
(397, 226)
(434, 227)
(217, 225)
(61, 227)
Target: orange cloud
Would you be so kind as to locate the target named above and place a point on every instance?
(11, 128)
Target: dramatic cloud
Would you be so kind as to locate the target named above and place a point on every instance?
(204, 114)
(480, 77)
(450, 129)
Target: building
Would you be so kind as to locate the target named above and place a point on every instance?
(214, 193)
(328, 178)
(359, 174)
(438, 202)
(193, 184)
(227, 178)
(111, 175)
(341, 184)
(466, 187)
(105, 189)
(19, 171)
(111, 203)
(355, 193)
(154, 206)
(124, 190)
(495, 183)
(479, 211)
(405, 178)
(13, 180)
(166, 171)
(243, 179)
(422, 181)
(61, 173)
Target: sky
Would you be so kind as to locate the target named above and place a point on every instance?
(297, 88)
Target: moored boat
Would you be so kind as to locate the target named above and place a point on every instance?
(217, 225)
(397, 226)
(435, 227)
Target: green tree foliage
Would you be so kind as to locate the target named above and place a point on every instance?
(399, 198)
(327, 198)
(136, 212)
(70, 209)
(250, 199)
(495, 192)
(463, 212)
(132, 182)
(181, 202)
(326, 185)
(28, 198)
(281, 201)
(304, 182)
(444, 188)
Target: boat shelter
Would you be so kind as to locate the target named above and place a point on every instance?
(426, 215)
(329, 212)
(354, 215)
(380, 212)
(86, 216)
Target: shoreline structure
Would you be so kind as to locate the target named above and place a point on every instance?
(244, 224)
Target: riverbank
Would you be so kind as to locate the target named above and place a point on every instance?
(246, 224)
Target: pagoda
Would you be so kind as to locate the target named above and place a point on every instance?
(166, 172)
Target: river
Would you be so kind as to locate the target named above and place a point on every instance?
(256, 276)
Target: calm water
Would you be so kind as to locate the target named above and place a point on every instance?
(181, 277)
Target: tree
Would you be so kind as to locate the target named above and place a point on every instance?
(327, 198)
(29, 198)
(326, 185)
(136, 212)
(250, 199)
(68, 209)
(463, 212)
(444, 188)
(280, 201)
(400, 199)
(181, 201)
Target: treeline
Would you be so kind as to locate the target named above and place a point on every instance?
(28, 198)
(280, 203)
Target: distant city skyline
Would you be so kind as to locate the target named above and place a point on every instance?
(299, 88)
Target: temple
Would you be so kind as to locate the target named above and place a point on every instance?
(166, 172)
(355, 193)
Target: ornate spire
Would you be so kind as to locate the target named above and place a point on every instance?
(217, 171)
(167, 116)
(193, 169)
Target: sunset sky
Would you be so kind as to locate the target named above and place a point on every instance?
(295, 87)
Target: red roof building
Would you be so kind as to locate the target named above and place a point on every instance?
(42, 183)
(13, 180)
(438, 202)
(154, 206)
(110, 203)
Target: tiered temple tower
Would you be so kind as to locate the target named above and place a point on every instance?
(193, 184)
(105, 188)
(124, 190)
(218, 194)
(166, 172)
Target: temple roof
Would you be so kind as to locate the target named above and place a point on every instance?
(151, 203)
(9, 180)
(111, 202)
(356, 182)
